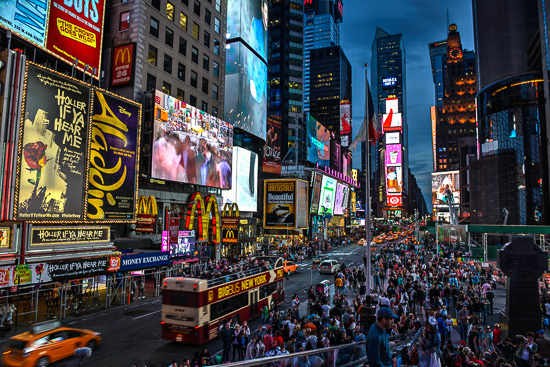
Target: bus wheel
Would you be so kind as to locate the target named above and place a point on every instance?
(236, 320)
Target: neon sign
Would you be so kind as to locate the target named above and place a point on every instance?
(203, 208)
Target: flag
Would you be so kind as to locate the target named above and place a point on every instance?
(374, 127)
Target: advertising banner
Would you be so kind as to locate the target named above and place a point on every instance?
(185, 245)
(173, 229)
(280, 204)
(328, 191)
(394, 180)
(392, 105)
(272, 149)
(443, 182)
(122, 66)
(353, 200)
(144, 260)
(230, 229)
(77, 268)
(301, 205)
(112, 187)
(146, 214)
(335, 156)
(53, 147)
(26, 19)
(316, 192)
(394, 200)
(392, 122)
(246, 105)
(244, 191)
(339, 199)
(393, 155)
(47, 236)
(248, 20)
(15, 275)
(318, 143)
(75, 32)
(190, 146)
(393, 138)
(345, 123)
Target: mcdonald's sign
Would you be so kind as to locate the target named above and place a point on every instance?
(230, 223)
(147, 214)
(122, 68)
(201, 209)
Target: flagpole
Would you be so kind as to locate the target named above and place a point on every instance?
(367, 182)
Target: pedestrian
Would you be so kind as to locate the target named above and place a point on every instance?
(525, 354)
(463, 317)
(429, 341)
(543, 346)
(141, 289)
(378, 348)
(226, 336)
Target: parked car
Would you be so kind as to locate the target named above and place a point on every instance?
(329, 267)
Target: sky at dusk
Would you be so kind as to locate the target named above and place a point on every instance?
(420, 22)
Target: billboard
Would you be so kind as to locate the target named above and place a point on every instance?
(246, 105)
(272, 149)
(245, 176)
(112, 184)
(353, 201)
(189, 145)
(345, 123)
(185, 246)
(248, 20)
(393, 155)
(318, 143)
(392, 119)
(394, 180)
(335, 156)
(394, 200)
(28, 22)
(392, 105)
(53, 148)
(340, 199)
(122, 65)
(328, 191)
(301, 205)
(442, 182)
(388, 82)
(280, 204)
(393, 138)
(316, 192)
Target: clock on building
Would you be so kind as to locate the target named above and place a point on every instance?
(455, 53)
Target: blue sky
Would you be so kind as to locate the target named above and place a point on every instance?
(420, 22)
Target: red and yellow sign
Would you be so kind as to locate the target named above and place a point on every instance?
(230, 223)
(243, 285)
(201, 209)
(123, 65)
(146, 214)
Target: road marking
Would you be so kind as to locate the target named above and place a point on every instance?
(148, 314)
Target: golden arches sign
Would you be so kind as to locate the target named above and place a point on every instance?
(230, 210)
(202, 209)
(147, 205)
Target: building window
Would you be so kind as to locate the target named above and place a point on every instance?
(216, 69)
(204, 85)
(193, 100)
(151, 82)
(205, 62)
(214, 111)
(183, 46)
(180, 95)
(207, 16)
(204, 106)
(197, 8)
(219, 5)
(181, 71)
(169, 37)
(194, 54)
(214, 91)
(166, 88)
(152, 55)
(193, 79)
(124, 21)
(217, 25)
(170, 11)
(168, 63)
(206, 39)
(154, 28)
(196, 30)
(183, 21)
(155, 4)
(216, 47)
(185, 2)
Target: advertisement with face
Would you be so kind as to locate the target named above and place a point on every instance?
(280, 204)
(75, 32)
(112, 175)
(189, 145)
(246, 105)
(442, 183)
(248, 20)
(52, 166)
(318, 143)
(393, 155)
(301, 204)
(394, 180)
(339, 199)
(28, 22)
(316, 192)
(328, 191)
(345, 123)
(272, 149)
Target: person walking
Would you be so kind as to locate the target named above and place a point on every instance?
(463, 317)
(378, 348)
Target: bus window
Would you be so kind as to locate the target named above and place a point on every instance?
(229, 305)
(267, 290)
(178, 298)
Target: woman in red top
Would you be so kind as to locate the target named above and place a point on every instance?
(278, 338)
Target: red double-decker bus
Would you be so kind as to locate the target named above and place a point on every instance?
(193, 310)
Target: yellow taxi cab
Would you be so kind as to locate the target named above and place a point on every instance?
(395, 236)
(289, 267)
(378, 239)
(47, 342)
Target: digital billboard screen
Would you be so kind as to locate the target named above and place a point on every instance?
(353, 201)
(318, 143)
(393, 155)
(328, 191)
(28, 22)
(388, 82)
(246, 102)
(248, 20)
(272, 148)
(442, 183)
(392, 105)
(345, 123)
(280, 204)
(392, 122)
(394, 180)
(335, 156)
(301, 205)
(339, 201)
(393, 138)
(189, 145)
(394, 200)
(245, 177)
(316, 192)
(185, 247)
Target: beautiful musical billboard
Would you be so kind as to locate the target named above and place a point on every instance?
(345, 123)
(442, 184)
(112, 184)
(246, 100)
(280, 204)
(394, 180)
(393, 155)
(316, 192)
(272, 149)
(190, 145)
(248, 20)
(318, 143)
(52, 170)
(245, 176)
(328, 191)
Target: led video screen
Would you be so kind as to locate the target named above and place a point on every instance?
(394, 180)
(339, 199)
(345, 123)
(328, 191)
(442, 183)
(393, 155)
(189, 145)
(318, 143)
(245, 176)
(316, 192)
(248, 20)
